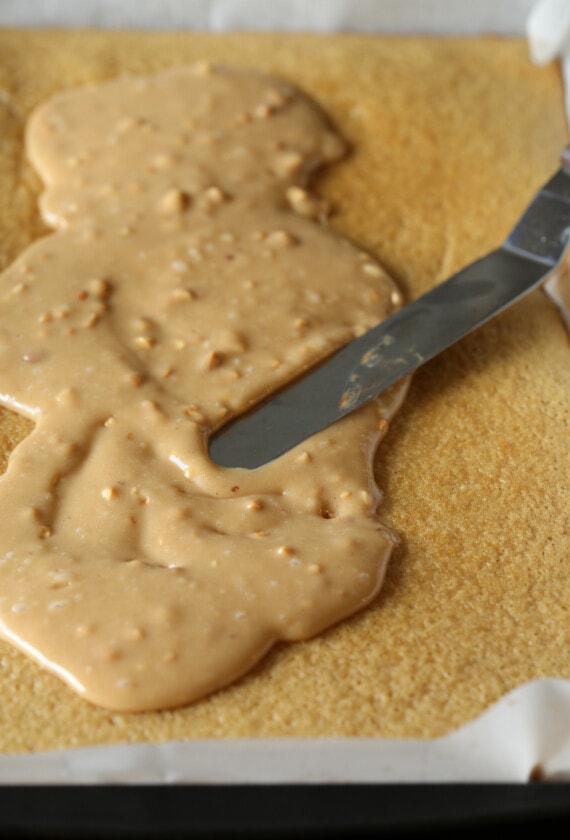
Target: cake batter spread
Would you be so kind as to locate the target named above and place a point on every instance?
(191, 272)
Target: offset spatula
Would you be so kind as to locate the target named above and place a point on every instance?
(404, 341)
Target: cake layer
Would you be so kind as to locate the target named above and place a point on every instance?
(449, 140)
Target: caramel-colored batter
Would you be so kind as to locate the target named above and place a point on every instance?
(191, 273)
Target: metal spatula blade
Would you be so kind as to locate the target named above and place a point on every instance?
(412, 336)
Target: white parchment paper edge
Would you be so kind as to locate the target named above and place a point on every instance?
(528, 731)
(458, 16)
(526, 734)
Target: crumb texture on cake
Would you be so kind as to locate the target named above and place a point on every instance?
(450, 139)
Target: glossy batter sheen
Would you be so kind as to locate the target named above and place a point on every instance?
(190, 273)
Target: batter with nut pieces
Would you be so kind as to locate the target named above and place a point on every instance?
(189, 274)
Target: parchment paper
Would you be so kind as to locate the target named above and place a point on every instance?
(526, 734)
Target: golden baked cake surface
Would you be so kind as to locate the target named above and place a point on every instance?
(450, 139)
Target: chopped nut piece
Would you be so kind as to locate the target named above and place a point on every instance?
(151, 405)
(67, 396)
(372, 269)
(92, 319)
(195, 254)
(261, 112)
(304, 458)
(212, 360)
(174, 201)
(301, 323)
(396, 297)
(213, 197)
(145, 342)
(277, 98)
(280, 239)
(194, 412)
(182, 295)
(18, 289)
(253, 504)
(305, 204)
(287, 164)
(135, 378)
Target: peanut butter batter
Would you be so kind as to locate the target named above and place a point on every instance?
(190, 273)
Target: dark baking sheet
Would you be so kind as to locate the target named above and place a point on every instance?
(257, 811)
